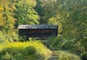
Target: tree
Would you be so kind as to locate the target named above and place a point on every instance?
(25, 13)
(70, 15)
(7, 19)
(43, 8)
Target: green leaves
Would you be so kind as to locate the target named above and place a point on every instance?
(7, 15)
(25, 12)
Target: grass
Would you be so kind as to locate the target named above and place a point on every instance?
(66, 55)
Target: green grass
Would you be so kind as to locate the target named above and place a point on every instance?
(66, 55)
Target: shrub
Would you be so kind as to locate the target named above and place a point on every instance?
(84, 56)
(32, 50)
(65, 55)
(6, 37)
(55, 43)
(1, 47)
(58, 43)
(73, 46)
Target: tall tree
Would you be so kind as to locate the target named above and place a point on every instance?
(72, 15)
(7, 19)
(42, 8)
(25, 12)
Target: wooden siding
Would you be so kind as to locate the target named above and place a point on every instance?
(38, 32)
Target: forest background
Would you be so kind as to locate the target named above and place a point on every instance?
(69, 15)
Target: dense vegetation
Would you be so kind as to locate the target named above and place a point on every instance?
(69, 15)
(65, 55)
(32, 50)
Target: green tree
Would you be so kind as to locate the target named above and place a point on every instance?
(25, 12)
(43, 8)
(7, 19)
(70, 15)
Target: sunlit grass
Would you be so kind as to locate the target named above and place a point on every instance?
(66, 55)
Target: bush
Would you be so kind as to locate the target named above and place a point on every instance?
(6, 37)
(73, 46)
(58, 43)
(55, 43)
(1, 47)
(65, 55)
(32, 50)
(84, 56)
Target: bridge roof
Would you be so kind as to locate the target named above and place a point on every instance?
(37, 26)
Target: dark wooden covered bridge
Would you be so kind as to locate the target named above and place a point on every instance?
(38, 30)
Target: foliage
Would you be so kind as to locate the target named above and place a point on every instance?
(54, 21)
(14, 13)
(7, 19)
(43, 9)
(84, 56)
(55, 43)
(59, 43)
(32, 50)
(65, 55)
(73, 47)
(1, 46)
(70, 16)
(25, 13)
(7, 37)
(19, 11)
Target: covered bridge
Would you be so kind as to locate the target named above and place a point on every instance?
(38, 30)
